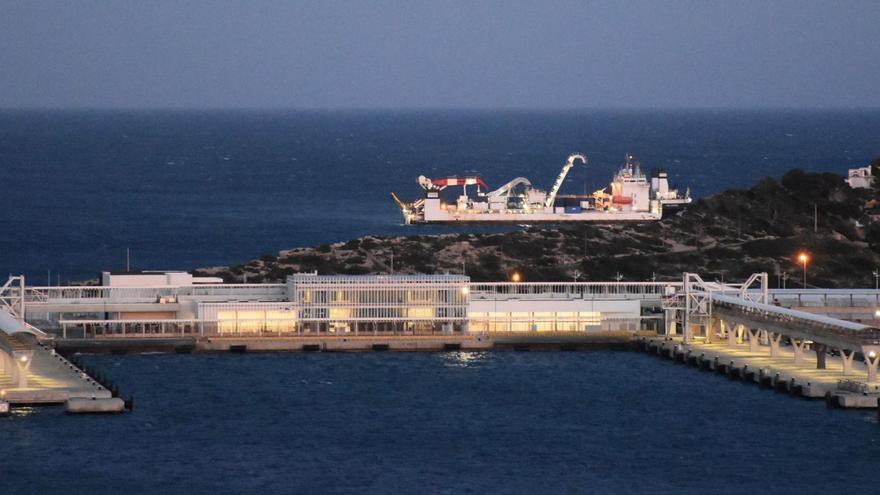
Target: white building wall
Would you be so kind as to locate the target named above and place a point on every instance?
(177, 279)
(620, 308)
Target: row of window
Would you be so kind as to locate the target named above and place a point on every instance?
(383, 296)
(423, 313)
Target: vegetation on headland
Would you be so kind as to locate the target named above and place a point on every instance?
(726, 236)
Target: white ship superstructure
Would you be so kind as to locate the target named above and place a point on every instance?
(632, 198)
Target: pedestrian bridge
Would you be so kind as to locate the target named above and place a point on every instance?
(741, 313)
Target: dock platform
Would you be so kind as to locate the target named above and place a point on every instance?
(779, 373)
(39, 375)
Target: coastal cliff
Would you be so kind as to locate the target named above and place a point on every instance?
(726, 236)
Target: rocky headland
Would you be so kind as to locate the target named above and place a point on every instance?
(726, 236)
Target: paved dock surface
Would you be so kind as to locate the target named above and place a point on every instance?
(780, 372)
(50, 379)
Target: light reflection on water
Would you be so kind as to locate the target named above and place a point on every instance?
(465, 359)
(22, 411)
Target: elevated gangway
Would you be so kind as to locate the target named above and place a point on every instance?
(722, 308)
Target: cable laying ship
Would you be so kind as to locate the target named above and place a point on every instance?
(632, 199)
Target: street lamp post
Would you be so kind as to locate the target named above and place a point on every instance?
(876, 279)
(803, 258)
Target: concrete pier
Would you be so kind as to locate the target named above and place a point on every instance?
(78, 405)
(840, 381)
(480, 341)
(39, 375)
(351, 343)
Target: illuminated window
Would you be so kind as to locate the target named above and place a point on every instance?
(421, 313)
(340, 313)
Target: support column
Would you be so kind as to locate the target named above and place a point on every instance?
(753, 339)
(11, 368)
(731, 335)
(847, 360)
(24, 363)
(820, 355)
(668, 328)
(3, 365)
(872, 359)
(774, 344)
(799, 348)
(686, 317)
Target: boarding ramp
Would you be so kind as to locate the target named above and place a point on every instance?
(834, 332)
(859, 305)
(741, 312)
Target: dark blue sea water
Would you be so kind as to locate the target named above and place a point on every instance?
(187, 189)
(591, 422)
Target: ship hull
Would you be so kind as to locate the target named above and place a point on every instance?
(531, 218)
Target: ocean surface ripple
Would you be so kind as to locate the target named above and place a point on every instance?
(502, 422)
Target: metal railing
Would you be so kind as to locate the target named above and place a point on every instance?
(552, 290)
(573, 290)
(49, 295)
(175, 328)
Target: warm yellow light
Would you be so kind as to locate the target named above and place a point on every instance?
(803, 258)
(515, 277)
(465, 290)
(420, 313)
(23, 359)
(872, 354)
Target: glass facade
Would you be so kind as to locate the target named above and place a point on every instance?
(380, 303)
(547, 321)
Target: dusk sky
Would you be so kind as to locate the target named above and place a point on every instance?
(443, 54)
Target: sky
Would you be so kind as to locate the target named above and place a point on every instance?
(439, 54)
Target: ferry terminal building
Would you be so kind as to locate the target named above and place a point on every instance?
(311, 304)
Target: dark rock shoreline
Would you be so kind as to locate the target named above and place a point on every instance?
(725, 236)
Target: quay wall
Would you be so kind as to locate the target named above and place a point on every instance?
(551, 341)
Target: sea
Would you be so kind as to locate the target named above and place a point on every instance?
(184, 189)
(86, 191)
(446, 423)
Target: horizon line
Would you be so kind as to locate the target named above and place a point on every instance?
(434, 108)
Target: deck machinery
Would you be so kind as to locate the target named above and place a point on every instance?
(632, 198)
